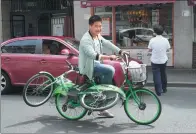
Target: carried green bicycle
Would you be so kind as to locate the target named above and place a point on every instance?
(91, 96)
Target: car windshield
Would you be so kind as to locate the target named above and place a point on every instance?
(73, 42)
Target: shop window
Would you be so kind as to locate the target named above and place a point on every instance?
(140, 20)
(134, 27)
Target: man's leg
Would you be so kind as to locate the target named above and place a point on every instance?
(106, 73)
(157, 78)
(163, 77)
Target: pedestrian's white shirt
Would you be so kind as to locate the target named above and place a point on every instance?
(159, 46)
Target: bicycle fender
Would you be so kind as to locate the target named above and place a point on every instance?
(59, 90)
(47, 74)
(63, 90)
(104, 87)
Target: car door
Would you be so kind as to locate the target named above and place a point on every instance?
(55, 63)
(18, 59)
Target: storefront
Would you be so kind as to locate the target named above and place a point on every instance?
(128, 24)
(38, 17)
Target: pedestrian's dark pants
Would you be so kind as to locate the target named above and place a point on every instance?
(159, 77)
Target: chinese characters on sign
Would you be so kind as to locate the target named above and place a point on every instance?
(155, 17)
(58, 30)
(105, 27)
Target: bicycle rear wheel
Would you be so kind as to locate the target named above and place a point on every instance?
(40, 85)
(99, 101)
(151, 103)
(69, 107)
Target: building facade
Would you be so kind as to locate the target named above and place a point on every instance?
(36, 17)
(129, 26)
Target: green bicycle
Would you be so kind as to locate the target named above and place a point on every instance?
(90, 96)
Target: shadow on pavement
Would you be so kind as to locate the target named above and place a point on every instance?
(54, 124)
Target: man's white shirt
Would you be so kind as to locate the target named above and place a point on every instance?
(159, 46)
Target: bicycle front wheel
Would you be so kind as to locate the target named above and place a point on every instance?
(38, 90)
(146, 102)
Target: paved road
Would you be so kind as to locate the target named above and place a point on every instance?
(179, 108)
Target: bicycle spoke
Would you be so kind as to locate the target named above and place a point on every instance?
(35, 93)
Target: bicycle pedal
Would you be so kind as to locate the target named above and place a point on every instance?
(122, 104)
(90, 112)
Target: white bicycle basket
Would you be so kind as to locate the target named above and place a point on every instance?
(137, 71)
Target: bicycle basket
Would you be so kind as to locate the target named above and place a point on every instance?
(138, 74)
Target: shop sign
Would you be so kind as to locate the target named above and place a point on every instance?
(58, 30)
(105, 27)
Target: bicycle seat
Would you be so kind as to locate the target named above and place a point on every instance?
(85, 77)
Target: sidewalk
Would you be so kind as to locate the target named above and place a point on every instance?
(176, 77)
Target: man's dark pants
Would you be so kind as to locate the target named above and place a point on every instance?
(159, 77)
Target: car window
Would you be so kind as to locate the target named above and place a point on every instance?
(149, 33)
(123, 34)
(21, 46)
(52, 47)
(73, 42)
(139, 32)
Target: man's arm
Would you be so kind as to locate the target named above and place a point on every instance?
(110, 45)
(88, 49)
(168, 45)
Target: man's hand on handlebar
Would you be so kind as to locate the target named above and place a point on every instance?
(114, 57)
(125, 53)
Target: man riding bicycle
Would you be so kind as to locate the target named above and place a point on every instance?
(90, 55)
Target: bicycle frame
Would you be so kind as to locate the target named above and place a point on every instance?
(62, 87)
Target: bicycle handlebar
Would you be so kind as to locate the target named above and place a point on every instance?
(126, 60)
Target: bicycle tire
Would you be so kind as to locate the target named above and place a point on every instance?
(27, 85)
(59, 109)
(158, 113)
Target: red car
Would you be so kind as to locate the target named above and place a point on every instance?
(23, 57)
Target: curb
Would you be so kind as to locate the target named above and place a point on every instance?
(175, 84)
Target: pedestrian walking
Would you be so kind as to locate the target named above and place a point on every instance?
(159, 45)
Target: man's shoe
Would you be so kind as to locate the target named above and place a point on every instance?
(164, 90)
(158, 94)
(106, 114)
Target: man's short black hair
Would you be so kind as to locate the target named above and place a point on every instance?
(158, 29)
(94, 19)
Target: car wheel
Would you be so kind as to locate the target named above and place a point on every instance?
(5, 83)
